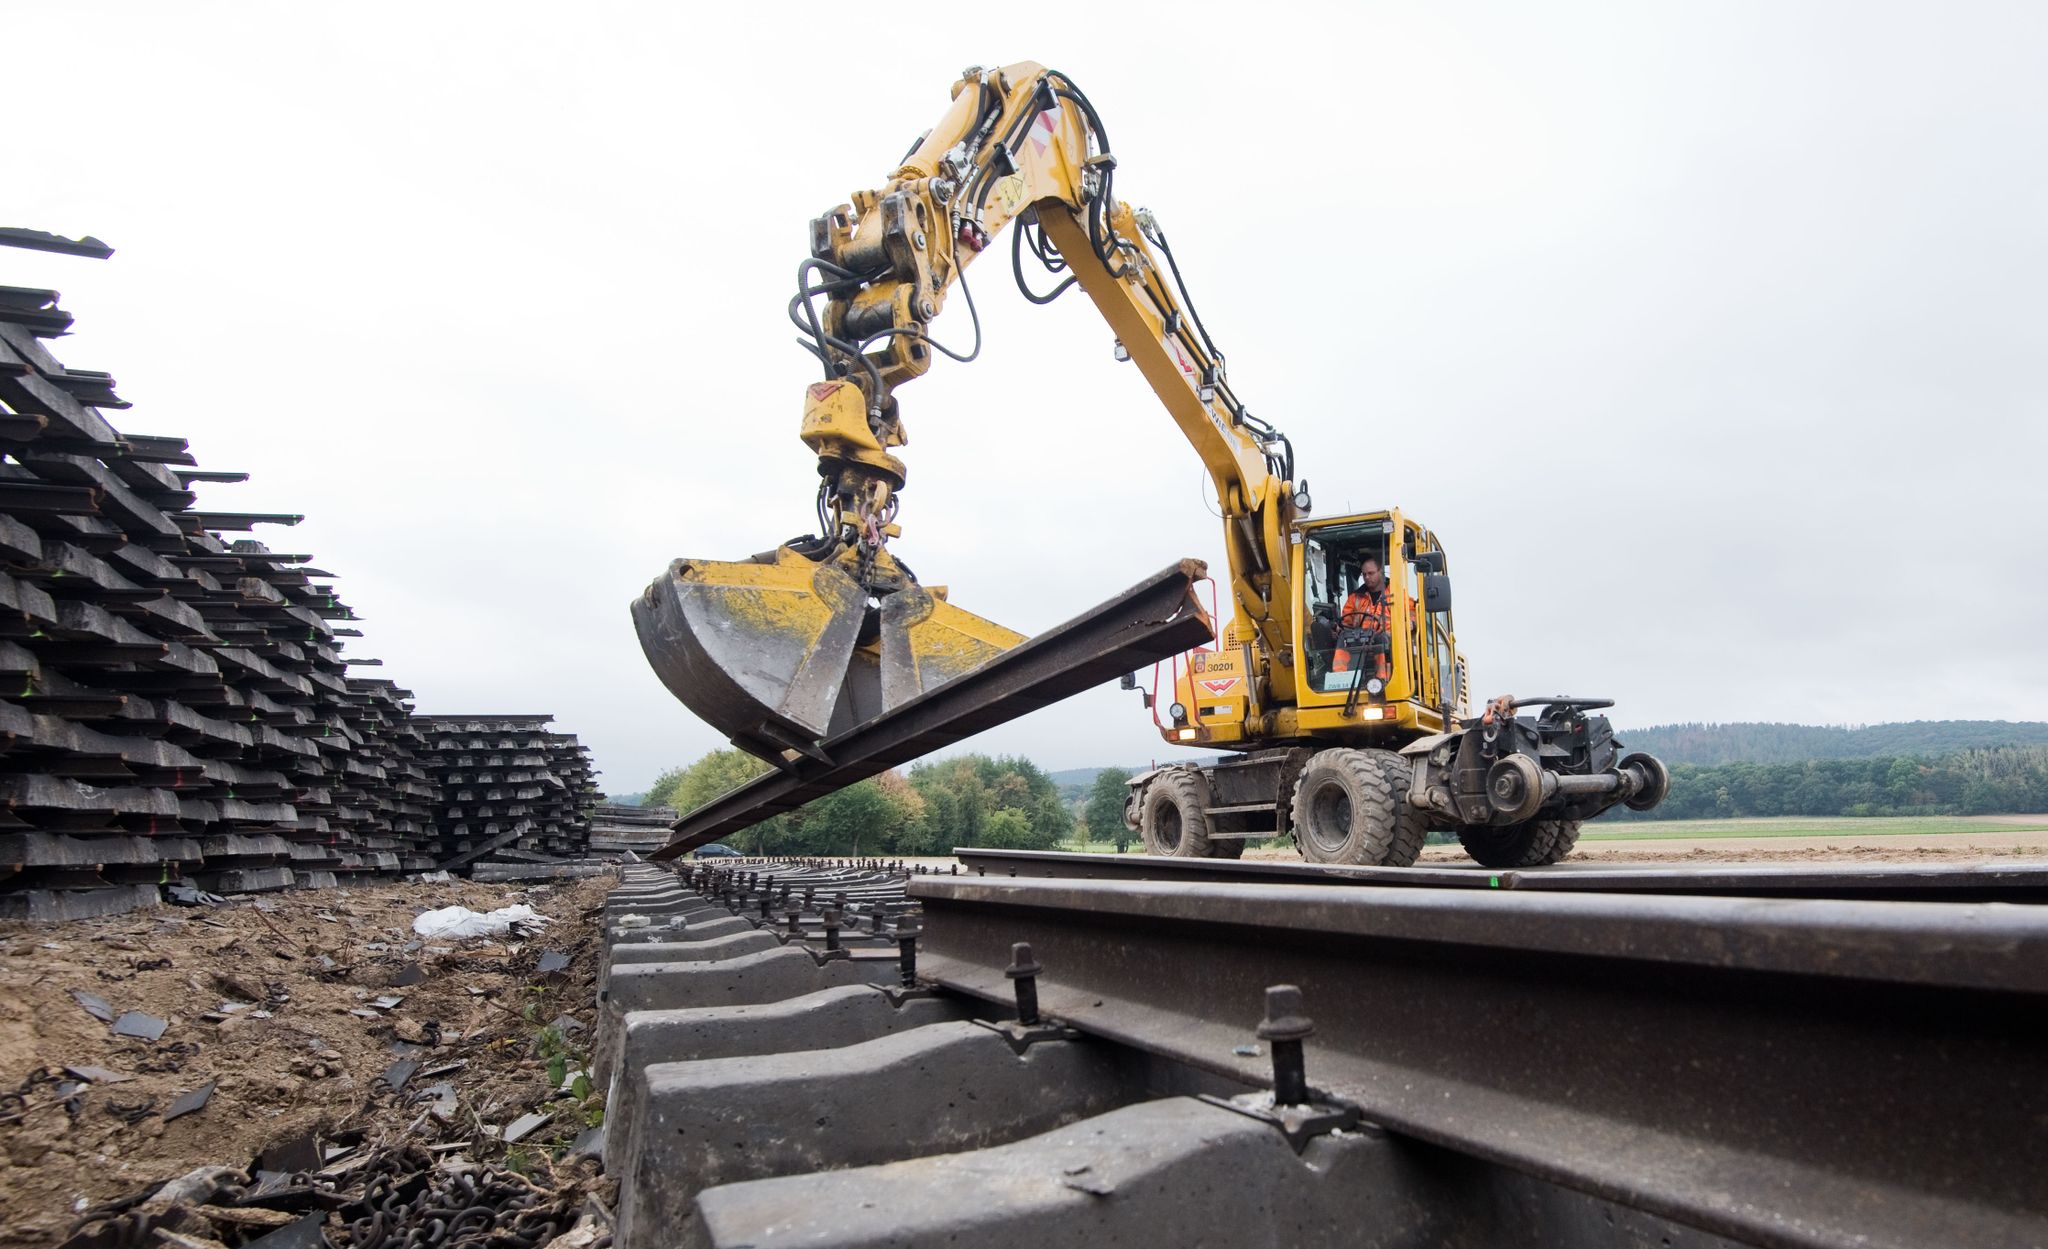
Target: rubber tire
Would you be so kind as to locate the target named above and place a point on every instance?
(1379, 828)
(1411, 826)
(1532, 843)
(1231, 849)
(1176, 800)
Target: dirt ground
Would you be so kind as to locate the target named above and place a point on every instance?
(271, 1001)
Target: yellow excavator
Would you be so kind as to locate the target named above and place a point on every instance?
(1337, 690)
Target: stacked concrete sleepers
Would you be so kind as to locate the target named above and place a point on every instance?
(616, 830)
(512, 799)
(179, 707)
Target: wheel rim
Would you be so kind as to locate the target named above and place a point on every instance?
(1513, 784)
(1329, 818)
(1167, 826)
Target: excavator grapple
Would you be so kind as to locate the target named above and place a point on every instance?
(782, 651)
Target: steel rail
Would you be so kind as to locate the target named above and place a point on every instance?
(1975, 882)
(1155, 618)
(1784, 1072)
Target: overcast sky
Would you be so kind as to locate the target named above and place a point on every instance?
(1709, 338)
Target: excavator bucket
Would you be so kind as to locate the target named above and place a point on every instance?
(781, 651)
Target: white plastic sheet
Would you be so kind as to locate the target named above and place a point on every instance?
(459, 922)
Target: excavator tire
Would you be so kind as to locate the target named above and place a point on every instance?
(1532, 843)
(1174, 820)
(1411, 825)
(1351, 806)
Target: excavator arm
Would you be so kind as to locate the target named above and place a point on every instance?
(1023, 146)
(828, 631)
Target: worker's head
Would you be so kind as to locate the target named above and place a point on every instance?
(1371, 575)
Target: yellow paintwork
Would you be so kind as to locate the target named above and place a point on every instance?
(836, 427)
(779, 596)
(911, 238)
(770, 597)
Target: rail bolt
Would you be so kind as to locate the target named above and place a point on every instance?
(907, 934)
(1024, 969)
(1285, 1027)
(831, 918)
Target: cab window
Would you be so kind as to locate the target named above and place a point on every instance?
(1339, 649)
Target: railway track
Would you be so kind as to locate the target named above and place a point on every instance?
(835, 1054)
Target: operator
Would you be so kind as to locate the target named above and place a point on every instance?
(1366, 609)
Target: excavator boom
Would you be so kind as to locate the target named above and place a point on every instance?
(802, 643)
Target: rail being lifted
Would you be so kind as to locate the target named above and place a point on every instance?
(1452, 1066)
(1156, 618)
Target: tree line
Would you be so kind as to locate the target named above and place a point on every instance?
(1011, 803)
(1970, 782)
(972, 800)
(1710, 745)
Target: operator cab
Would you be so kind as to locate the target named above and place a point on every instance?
(1380, 655)
(1345, 632)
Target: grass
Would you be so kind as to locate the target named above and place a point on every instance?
(1812, 826)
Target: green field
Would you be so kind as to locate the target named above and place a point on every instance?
(1819, 826)
(1784, 826)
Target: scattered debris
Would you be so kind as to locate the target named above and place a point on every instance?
(303, 1234)
(236, 989)
(461, 923)
(189, 1102)
(309, 1074)
(408, 975)
(396, 1075)
(552, 961)
(139, 1024)
(190, 895)
(299, 1152)
(97, 1075)
(522, 1127)
(442, 1096)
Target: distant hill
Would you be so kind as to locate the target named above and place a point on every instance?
(1074, 781)
(1710, 745)
(1083, 777)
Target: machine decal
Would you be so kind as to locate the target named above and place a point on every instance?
(1045, 129)
(1220, 687)
(1009, 192)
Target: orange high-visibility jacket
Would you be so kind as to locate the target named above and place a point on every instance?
(1363, 611)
